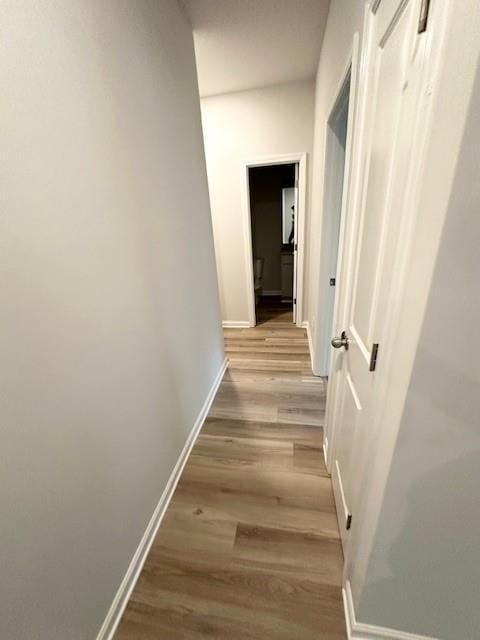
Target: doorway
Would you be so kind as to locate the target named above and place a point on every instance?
(274, 237)
(272, 212)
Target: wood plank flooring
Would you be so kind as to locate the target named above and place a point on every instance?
(249, 547)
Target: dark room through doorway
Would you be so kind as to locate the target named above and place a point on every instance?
(273, 207)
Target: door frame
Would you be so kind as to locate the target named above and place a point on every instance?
(350, 195)
(350, 71)
(266, 161)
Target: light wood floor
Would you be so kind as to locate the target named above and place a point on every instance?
(249, 548)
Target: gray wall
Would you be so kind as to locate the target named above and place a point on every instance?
(110, 335)
(424, 572)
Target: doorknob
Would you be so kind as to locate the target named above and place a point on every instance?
(342, 341)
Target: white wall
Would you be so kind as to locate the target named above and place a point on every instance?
(110, 334)
(240, 127)
(344, 20)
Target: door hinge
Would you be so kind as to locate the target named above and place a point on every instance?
(349, 521)
(332, 282)
(423, 19)
(373, 356)
(295, 247)
(296, 184)
(294, 301)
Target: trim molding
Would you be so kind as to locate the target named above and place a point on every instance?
(124, 592)
(236, 324)
(306, 325)
(273, 292)
(360, 631)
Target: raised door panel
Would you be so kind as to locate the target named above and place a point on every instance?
(391, 53)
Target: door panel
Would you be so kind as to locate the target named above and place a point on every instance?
(385, 106)
(372, 238)
(344, 467)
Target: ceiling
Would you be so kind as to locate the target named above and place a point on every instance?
(245, 44)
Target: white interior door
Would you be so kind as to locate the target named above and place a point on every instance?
(295, 243)
(386, 127)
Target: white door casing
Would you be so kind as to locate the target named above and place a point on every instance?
(300, 160)
(338, 153)
(295, 242)
(384, 129)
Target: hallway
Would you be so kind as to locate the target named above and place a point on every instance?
(249, 547)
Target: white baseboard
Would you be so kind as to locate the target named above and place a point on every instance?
(235, 324)
(306, 325)
(360, 631)
(124, 592)
(273, 292)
